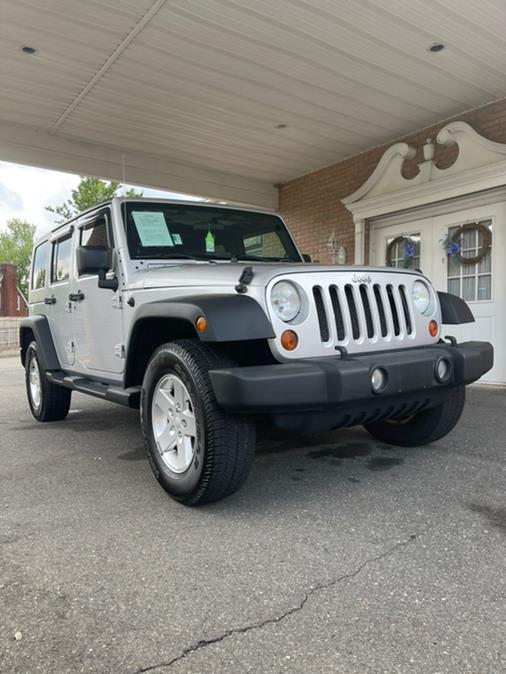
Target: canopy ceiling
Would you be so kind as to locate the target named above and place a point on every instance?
(227, 98)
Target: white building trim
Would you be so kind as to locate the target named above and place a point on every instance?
(480, 165)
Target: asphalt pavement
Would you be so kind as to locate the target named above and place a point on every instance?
(340, 554)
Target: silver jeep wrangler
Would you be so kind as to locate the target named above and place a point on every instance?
(206, 317)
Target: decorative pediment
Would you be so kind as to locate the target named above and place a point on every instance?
(474, 152)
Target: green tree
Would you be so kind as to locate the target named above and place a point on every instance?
(89, 192)
(16, 244)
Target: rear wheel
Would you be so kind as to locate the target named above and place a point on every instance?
(198, 453)
(425, 427)
(48, 402)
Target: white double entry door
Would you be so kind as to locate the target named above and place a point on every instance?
(482, 285)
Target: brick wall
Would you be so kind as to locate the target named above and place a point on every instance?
(9, 294)
(311, 205)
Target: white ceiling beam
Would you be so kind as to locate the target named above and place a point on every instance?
(26, 145)
(132, 34)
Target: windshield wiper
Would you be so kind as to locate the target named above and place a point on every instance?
(183, 256)
(261, 258)
(170, 257)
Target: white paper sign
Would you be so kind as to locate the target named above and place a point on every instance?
(152, 228)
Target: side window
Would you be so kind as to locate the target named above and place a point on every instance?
(39, 266)
(60, 268)
(264, 245)
(95, 234)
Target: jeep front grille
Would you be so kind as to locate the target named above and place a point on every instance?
(361, 312)
(364, 311)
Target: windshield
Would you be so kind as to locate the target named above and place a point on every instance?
(181, 231)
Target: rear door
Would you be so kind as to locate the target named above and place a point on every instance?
(39, 299)
(59, 311)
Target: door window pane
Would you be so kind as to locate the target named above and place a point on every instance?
(468, 289)
(471, 282)
(61, 260)
(454, 286)
(484, 287)
(40, 266)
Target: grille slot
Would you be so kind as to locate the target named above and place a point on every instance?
(381, 310)
(364, 294)
(352, 308)
(322, 315)
(393, 310)
(405, 308)
(338, 314)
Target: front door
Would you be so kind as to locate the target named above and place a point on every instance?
(425, 243)
(98, 315)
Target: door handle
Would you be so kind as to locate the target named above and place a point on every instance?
(76, 297)
(50, 300)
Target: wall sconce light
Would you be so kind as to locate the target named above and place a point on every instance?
(336, 251)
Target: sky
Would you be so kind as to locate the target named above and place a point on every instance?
(25, 191)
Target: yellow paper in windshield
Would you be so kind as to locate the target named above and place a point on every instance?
(152, 229)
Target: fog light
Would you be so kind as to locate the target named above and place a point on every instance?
(378, 379)
(443, 369)
(289, 340)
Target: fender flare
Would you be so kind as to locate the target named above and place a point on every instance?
(454, 310)
(230, 318)
(39, 326)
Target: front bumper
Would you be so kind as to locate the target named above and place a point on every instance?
(344, 384)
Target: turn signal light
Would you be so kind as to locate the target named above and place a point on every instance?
(433, 328)
(289, 340)
(201, 324)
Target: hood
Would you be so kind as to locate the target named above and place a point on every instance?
(194, 274)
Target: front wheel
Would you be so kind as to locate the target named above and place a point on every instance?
(198, 453)
(424, 427)
(48, 401)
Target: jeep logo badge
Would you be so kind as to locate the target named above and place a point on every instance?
(361, 278)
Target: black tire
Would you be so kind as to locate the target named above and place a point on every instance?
(224, 446)
(54, 402)
(422, 428)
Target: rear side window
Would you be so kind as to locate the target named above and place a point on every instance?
(60, 270)
(39, 266)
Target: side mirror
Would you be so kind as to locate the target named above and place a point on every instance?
(306, 257)
(96, 260)
(92, 259)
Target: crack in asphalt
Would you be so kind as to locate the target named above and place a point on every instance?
(203, 643)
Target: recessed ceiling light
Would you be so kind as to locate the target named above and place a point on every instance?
(281, 126)
(29, 50)
(438, 46)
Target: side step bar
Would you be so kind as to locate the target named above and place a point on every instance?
(130, 397)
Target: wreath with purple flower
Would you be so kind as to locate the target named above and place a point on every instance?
(453, 248)
(410, 250)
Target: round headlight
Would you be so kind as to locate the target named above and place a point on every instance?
(421, 296)
(285, 300)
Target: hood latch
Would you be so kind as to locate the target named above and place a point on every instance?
(245, 279)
